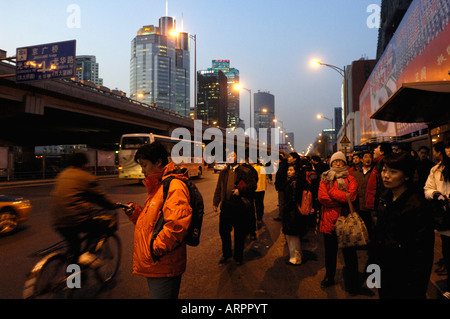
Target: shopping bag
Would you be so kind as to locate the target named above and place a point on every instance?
(351, 230)
(306, 206)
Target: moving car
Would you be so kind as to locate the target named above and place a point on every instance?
(13, 211)
(219, 166)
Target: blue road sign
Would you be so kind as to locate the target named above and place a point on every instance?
(46, 61)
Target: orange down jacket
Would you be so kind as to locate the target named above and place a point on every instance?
(170, 244)
(333, 201)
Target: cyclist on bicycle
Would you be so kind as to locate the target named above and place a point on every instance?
(78, 204)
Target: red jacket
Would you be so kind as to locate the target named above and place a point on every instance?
(333, 200)
(375, 185)
(169, 244)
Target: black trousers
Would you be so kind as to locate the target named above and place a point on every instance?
(234, 216)
(94, 228)
(446, 255)
(259, 205)
(351, 275)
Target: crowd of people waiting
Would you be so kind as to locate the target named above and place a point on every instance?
(393, 190)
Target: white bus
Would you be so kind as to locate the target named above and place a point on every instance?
(129, 144)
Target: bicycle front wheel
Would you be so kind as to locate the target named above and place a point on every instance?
(48, 279)
(110, 254)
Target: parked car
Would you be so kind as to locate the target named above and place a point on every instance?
(219, 166)
(13, 211)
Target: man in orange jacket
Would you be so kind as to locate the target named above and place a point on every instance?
(163, 275)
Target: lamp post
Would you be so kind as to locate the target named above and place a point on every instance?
(342, 73)
(238, 87)
(194, 37)
(332, 135)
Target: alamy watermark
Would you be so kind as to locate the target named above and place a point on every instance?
(74, 19)
(373, 20)
(74, 276)
(253, 150)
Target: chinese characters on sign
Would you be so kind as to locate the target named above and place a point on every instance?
(46, 61)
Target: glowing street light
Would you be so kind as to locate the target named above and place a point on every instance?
(316, 63)
(239, 88)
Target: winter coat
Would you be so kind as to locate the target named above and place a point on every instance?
(293, 222)
(436, 183)
(170, 244)
(243, 172)
(403, 244)
(375, 185)
(76, 197)
(362, 179)
(334, 202)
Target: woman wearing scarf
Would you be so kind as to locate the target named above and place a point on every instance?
(334, 186)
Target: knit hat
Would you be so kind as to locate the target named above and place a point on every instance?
(338, 156)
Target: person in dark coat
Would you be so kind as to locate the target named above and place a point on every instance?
(403, 238)
(235, 194)
(280, 183)
(293, 222)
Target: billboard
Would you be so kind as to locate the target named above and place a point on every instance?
(46, 61)
(419, 51)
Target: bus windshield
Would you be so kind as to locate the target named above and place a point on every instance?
(134, 142)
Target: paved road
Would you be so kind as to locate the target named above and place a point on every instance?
(264, 274)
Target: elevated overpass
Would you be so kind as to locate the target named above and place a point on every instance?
(56, 112)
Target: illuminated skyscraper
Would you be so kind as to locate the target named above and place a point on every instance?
(160, 67)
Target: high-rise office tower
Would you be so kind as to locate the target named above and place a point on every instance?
(212, 97)
(264, 112)
(160, 67)
(232, 74)
(87, 69)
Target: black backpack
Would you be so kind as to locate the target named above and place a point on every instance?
(196, 203)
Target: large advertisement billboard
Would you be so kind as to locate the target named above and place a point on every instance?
(419, 51)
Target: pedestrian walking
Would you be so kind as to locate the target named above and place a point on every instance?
(162, 261)
(437, 188)
(235, 195)
(334, 187)
(403, 238)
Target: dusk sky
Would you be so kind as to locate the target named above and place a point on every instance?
(271, 43)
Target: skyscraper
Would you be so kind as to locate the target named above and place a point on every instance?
(212, 97)
(87, 69)
(160, 67)
(232, 74)
(264, 112)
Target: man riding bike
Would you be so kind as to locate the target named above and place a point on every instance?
(78, 205)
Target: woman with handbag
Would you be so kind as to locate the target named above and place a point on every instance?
(293, 222)
(334, 186)
(403, 236)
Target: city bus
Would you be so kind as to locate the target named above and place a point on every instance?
(129, 144)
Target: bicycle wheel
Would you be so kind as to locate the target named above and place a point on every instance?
(48, 279)
(109, 251)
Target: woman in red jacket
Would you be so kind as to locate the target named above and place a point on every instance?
(334, 186)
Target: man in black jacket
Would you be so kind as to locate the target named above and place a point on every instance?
(234, 193)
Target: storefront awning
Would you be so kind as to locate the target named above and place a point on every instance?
(421, 102)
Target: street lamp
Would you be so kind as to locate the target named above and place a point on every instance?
(342, 73)
(320, 116)
(239, 87)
